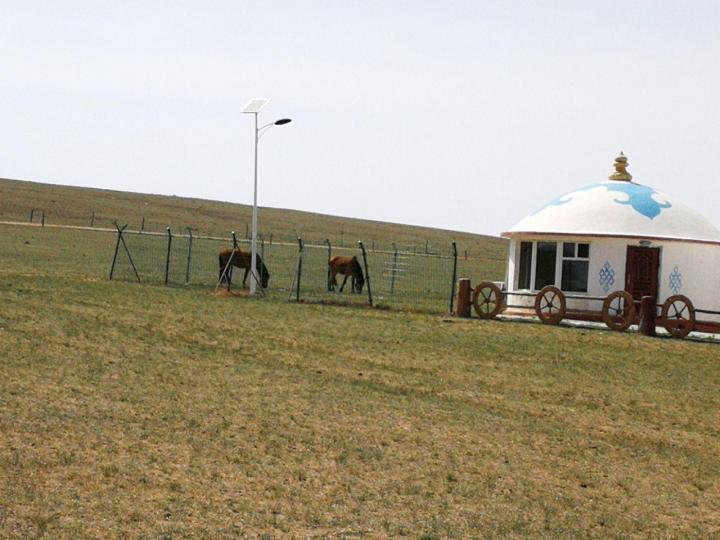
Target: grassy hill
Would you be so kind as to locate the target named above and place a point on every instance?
(76, 206)
(403, 282)
(133, 410)
(147, 411)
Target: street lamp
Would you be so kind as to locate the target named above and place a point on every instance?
(253, 107)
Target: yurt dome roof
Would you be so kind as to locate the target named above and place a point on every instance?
(618, 207)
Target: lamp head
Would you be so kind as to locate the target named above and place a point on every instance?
(282, 121)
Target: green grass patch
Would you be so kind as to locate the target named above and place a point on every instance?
(144, 411)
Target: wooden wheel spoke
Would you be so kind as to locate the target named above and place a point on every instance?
(487, 300)
(550, 305)
(618, 310)
(678, 315)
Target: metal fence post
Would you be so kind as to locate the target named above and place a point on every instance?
(454, 277)
(115, 254)
(299, 270)
(167, 257)
(32, 213)
(189, 256)
(226, 272)
(42, 217)
(229, 273)
(142, 225)
(262, 247)
(394, 269)
(121, 240)
(329, 245)
(367, 272)
(92, 220)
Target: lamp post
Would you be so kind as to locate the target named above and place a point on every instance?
(253, 107)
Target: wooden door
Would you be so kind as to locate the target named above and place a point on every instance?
(641, 271)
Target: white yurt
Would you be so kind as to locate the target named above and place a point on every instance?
(616, 235)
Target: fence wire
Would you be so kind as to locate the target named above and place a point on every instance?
(314, 276)
(398, 279)
(194, 260)
(411, 281)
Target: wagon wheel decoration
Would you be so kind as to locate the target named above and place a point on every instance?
(487, 300)
(618, 310)
(678, 315)
(550, 305)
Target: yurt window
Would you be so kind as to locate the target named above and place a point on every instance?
(525, 267)
(575, 267)
(545, 262)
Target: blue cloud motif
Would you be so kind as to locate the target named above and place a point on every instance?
(639, 198)
(563, 199)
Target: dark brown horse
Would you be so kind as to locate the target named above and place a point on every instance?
(350, 267)
(241, 260)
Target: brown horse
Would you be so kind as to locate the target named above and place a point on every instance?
(241, 260)
(350, 267)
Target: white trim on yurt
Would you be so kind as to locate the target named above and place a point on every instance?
(616, 218)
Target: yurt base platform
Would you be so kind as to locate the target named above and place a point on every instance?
(594, 321)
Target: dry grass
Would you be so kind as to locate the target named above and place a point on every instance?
(141, 411)
(75, 206)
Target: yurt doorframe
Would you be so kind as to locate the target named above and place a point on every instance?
(642, 271)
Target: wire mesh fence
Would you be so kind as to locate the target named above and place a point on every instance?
(396, 278)
(187, 259)
(59, 216)
(20, 204)
(413, 281)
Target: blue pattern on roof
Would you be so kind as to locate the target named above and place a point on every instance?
(639, 198)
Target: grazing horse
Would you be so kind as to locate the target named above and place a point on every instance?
(350, 267)
(241, 260)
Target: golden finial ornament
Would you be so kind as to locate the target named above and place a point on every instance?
(621, 163)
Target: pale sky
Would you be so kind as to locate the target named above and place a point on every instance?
(463, 115)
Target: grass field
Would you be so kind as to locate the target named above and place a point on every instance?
(420, 283)
(403, 275)
(142, 411)
(75, 206)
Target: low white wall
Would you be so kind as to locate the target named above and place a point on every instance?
(693, 270)
(688, 268)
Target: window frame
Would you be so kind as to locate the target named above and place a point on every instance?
(555, 277)
(575, 257)
(559, 257)
(519, 266)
